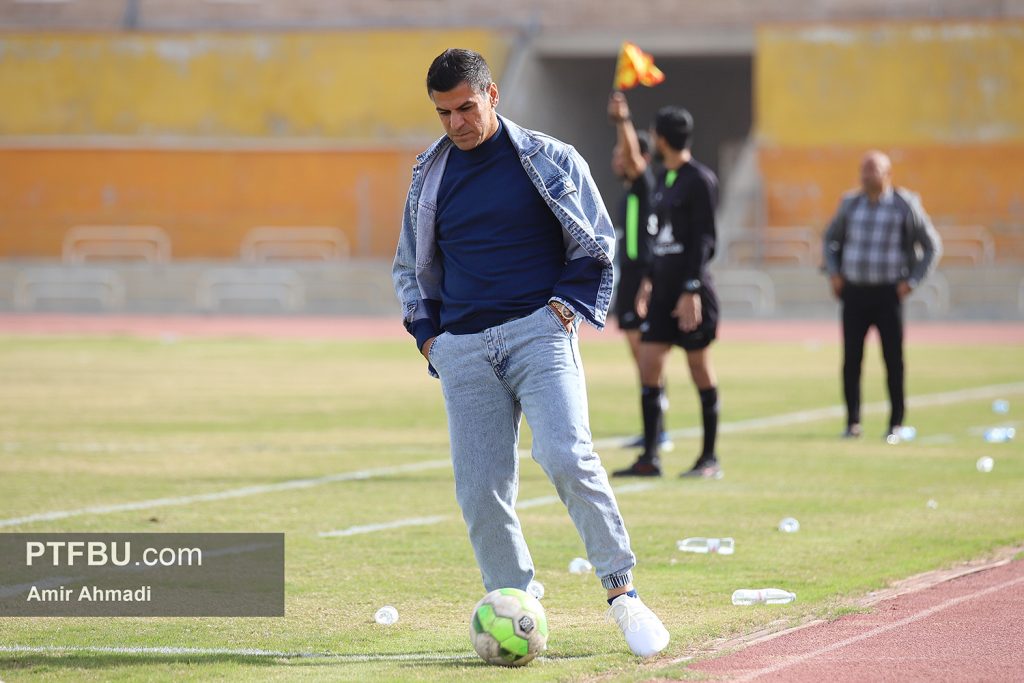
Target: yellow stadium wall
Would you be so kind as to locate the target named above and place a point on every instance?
(210, 134)
(205, 200)
(945, 100)
(357, 85)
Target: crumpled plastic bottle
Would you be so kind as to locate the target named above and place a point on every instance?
(762, 596)
(580, 565)
(386, 615)
(699, 544)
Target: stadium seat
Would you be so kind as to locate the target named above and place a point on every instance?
(967, 245)
(747, 289)
(775, 246)
(240, 289)
(116, 243)
(44, 288)
(931, 298)
(294, 243)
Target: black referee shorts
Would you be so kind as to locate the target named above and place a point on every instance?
(625, 298)
(661, 327)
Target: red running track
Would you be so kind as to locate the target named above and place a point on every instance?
(969, 628)
(311, 327)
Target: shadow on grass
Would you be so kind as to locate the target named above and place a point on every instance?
(90, 661)
(39, 662)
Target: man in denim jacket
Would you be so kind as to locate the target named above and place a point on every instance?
(505, 246)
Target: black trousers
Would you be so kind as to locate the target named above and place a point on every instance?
(864, 306)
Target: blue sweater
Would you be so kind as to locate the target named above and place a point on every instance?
(499, 242)
(508, 208)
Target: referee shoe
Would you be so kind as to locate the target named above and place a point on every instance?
(643, 467)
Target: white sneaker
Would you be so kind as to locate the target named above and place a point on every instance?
(645, 634)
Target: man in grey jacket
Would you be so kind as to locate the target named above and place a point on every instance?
(505, 247)
(878, 248)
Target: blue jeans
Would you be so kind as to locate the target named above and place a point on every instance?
(490, 379)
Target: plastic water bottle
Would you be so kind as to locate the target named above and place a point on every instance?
(762, 596)
(1000, 434)
(386, 615)
(721, 546)
(789, 525)
(580, 566)
(1000, 406)
(536, 589)
(985, 464)
(901, 434)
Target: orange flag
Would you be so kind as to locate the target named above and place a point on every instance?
(635, 67)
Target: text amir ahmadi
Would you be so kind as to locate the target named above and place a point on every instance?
(90, 594)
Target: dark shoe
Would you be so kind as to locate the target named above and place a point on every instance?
(704, 469)
(664, 442)
(852, 432)
(643, 467)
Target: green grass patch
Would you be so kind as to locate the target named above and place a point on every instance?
(87, 422)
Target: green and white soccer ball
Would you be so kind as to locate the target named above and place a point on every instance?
(509, 627)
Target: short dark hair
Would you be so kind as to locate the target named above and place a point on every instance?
(454, 66)
(644, 140)
(675, 124)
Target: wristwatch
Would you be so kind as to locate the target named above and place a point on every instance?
(563, 311)
(692, 286)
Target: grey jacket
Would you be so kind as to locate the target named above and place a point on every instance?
(922, 246)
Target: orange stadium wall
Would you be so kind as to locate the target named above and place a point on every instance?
(206, 201)
(945, 100)
(208, 135)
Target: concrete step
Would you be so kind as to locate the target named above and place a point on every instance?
(363, 287)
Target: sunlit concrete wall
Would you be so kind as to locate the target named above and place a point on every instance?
(944, 99)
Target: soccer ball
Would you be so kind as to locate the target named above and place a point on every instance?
(509, 627)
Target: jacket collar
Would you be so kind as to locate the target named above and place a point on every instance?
(525, 142)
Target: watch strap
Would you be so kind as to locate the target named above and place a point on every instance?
(563, 311)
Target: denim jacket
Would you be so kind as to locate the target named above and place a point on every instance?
(561, 177)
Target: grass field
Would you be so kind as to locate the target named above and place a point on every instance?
(94, 423)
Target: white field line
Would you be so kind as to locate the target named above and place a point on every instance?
(838, 411)
(224, 495)
(243, 652)
(437, 519)
(879, 630)
(384, 526)
(785, 419)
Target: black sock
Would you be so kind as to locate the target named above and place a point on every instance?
(631, 593)
(709, 411)
(650, 403)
